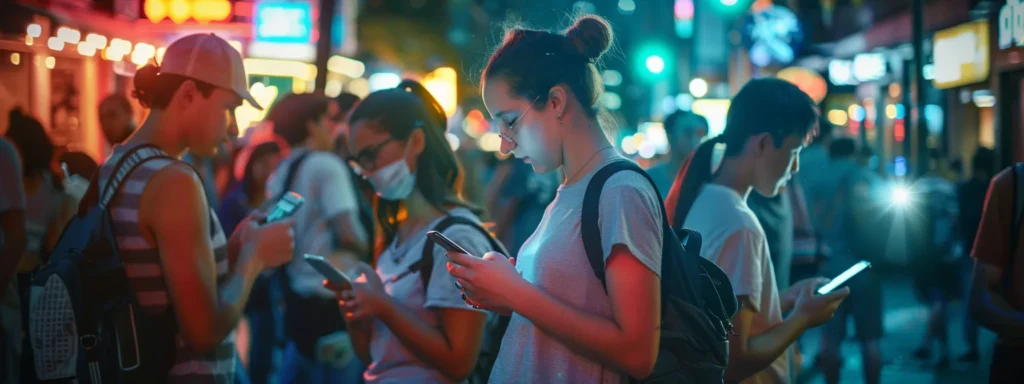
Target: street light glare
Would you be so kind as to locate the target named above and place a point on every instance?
(901, 195)
(655, 64)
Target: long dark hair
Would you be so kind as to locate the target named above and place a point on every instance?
(34, 145)
(400, 111)
(764, 105)
(260, 151)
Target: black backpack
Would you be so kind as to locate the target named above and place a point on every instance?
(494, 330)
(85, 322)
(697, 300)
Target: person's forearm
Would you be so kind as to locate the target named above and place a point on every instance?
(233, 294)
(428, 343)
(788, 299)
(596, 337)
(361, 333)
(761, 350)
(994, 313)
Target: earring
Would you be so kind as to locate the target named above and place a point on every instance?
(559, 117)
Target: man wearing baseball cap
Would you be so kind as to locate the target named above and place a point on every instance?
(177, 257)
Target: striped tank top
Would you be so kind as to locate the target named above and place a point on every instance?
(142, 264)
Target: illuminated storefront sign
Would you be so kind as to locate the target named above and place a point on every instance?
(868, 67)
(840, 72)
(1011, 24)
(283, 22)
(180, 11)
(961, 55)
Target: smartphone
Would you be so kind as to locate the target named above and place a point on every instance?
(332, 274)
(844, 277)
(285, 207)
(445, 242)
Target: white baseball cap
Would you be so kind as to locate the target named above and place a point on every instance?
(210, 59)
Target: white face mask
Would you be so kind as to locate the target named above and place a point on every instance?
(393, 181)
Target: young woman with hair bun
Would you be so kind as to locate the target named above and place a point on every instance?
(544, 89)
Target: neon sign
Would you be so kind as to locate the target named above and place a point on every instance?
(179, 11)
(283, 22)
(1011, 24)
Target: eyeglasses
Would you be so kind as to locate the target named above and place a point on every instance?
(512, 125)
(365, 161)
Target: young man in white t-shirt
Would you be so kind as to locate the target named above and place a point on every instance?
(327, 224)
(768, 124)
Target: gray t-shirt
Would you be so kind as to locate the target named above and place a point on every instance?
(555, 261)
(392, 361)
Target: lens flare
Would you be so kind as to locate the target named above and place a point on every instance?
(901, 195)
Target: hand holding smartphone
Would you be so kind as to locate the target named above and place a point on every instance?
(445, 242)
(336, 277)
(843, 277)
(286, 207)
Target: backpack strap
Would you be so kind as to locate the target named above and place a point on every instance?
(128, 163)
(1018, 215)
(590, 229)
(101, 194)
(293, 169)
(425, 265)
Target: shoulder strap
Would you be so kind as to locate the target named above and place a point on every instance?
(589, 227)
(426, 263)
(101, 196)
(1018, 214)
(293, 168)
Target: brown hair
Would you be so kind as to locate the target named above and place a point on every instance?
(155, 90)
(533, 61)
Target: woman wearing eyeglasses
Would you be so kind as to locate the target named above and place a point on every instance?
(566, 327)
(408, 321)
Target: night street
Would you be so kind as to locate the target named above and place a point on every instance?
(905, 325)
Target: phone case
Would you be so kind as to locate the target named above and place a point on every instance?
(329, 272)
(445, 242)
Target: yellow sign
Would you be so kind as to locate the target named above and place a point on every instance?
(961, 55)
(443, 85)
(179, 11)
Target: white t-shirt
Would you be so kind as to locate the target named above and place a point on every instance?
(735, 241)
(392, 360)
(326, 185)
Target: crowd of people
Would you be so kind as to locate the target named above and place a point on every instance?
(220, 294)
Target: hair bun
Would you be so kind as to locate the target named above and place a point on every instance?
(146, 83)
(591, 35)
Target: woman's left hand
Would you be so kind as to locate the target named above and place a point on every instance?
(489, 282)
(366, 299)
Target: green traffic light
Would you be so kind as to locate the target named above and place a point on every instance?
(655, 64)
(652, 60)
